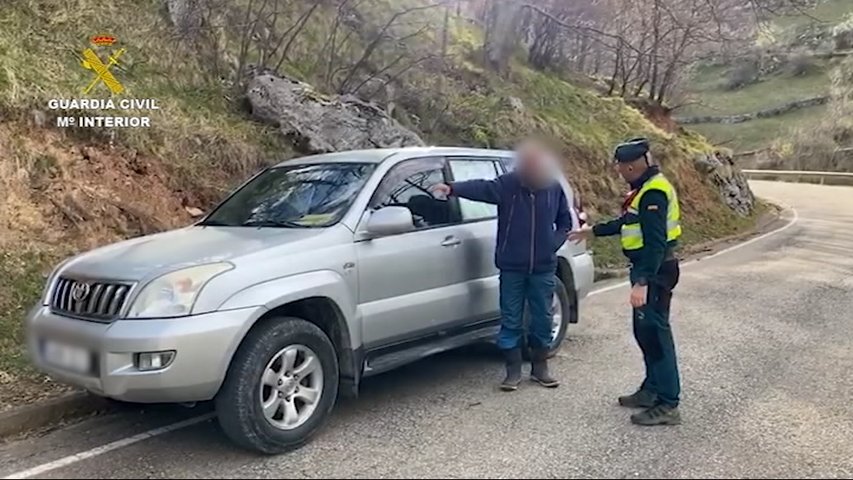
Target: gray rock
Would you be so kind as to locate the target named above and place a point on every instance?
(515, 103)
(730, 182)
(706, 163)
(317, 123)
(39, 117)
(194, 212)
(186, 15)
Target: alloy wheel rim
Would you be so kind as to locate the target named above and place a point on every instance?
(556, 318)
(291, 387)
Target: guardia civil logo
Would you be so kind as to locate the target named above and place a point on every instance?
(101, 104)
(102, 69)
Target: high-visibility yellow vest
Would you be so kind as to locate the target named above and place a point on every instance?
(632, 234)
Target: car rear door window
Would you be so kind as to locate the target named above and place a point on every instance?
(475, 169)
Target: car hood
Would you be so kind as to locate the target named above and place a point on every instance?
(152, 255)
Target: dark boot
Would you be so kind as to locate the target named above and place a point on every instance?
(539, 370)
(659, 415)
(640, 399)
(513, 370)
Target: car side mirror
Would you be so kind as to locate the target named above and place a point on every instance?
(390, 221)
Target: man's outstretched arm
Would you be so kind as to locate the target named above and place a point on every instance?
(486, 191)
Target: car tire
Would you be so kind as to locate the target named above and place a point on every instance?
(569, 311)
(251, 380)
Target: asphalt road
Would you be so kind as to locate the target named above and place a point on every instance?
(765, 337)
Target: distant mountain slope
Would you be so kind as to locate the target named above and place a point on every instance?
(793, 61)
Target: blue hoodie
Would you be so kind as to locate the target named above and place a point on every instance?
(532, 224)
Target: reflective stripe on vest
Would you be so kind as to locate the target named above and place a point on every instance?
(632, 234)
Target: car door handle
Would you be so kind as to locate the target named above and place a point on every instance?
(451, 242)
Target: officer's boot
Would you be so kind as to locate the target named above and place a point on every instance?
(657, 415)
(639, 399)
(513, 370)
(539, 370)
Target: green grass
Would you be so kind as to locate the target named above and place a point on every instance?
(829, 11)
(197, 127)
(706, 87)
(776, 90)
(21, 284)
(760, 133)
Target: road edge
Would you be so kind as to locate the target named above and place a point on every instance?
(50, 412)
(768, 222)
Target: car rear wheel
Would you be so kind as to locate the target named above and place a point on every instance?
(280, 388)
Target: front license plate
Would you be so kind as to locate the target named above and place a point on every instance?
(67, 357)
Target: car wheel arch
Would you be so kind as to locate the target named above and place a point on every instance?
(566, 275)
(326, 314)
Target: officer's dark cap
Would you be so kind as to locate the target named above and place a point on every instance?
(633, 149)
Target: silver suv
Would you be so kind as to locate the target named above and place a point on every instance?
(316, 273)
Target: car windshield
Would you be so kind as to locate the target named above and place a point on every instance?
(298, 196)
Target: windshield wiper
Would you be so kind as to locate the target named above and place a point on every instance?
(214, 223)
(274, 224)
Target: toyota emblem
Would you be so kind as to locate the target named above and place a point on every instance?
(80, 291)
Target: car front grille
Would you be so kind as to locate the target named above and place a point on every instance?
(99, 301)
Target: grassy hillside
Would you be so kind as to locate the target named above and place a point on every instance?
(798, 78)
(70, 190)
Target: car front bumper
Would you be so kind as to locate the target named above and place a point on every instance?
(203, 346)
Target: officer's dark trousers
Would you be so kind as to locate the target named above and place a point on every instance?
(654, 335)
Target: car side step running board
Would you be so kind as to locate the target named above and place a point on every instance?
(383, 362)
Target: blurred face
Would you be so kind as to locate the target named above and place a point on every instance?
(534, 162)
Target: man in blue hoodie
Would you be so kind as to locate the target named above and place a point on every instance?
(533, 223)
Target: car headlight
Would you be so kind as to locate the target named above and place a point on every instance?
(175, 293)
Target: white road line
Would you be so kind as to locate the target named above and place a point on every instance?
(71, 459)
(795, 217)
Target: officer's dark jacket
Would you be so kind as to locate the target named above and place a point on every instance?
(645, 262)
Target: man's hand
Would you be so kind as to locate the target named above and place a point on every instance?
(441, 190)
(583, 233)
(638, 295)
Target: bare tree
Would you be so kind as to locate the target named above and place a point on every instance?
(260, 33)
(502, 24)
(644, 45)
(383, 34)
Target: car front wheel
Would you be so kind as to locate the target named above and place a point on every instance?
(280, 388)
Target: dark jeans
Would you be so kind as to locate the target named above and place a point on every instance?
(517, 289)
(654, 335)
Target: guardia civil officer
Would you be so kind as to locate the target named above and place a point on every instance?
(649, 226)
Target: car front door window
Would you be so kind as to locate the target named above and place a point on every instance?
(409, 185)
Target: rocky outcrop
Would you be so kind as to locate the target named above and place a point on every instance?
(186, 15)
(746, 117)
(317, 123)
(730, 182)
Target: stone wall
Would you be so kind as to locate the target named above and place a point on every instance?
(746, 117)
